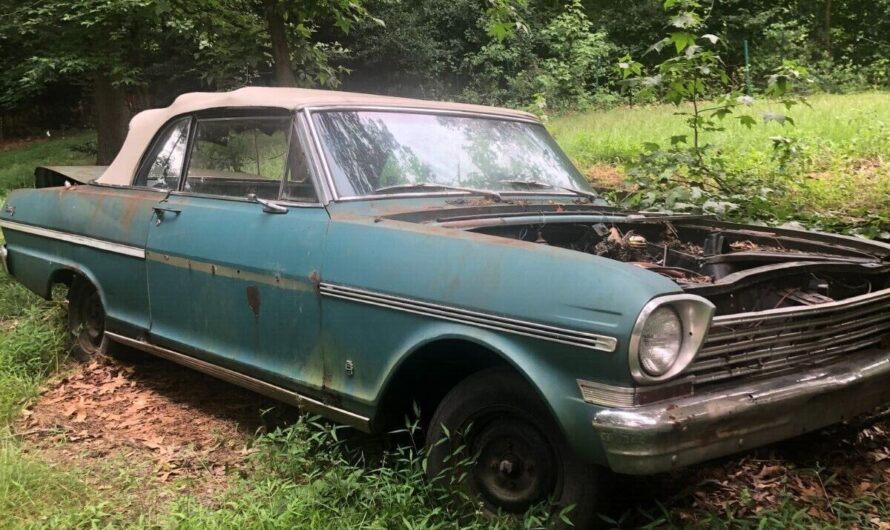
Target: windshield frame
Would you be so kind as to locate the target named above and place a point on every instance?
(334, 192)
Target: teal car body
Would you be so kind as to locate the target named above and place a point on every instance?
(354, 306)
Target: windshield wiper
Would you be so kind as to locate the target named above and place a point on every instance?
(543, 185)
(429, 186)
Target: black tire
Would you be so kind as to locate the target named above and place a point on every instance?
(86, 320)
(521, 456)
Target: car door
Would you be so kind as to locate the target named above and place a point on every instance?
(229, 278)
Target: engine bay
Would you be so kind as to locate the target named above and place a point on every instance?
(739, 270)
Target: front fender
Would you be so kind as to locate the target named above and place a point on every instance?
(550, 369)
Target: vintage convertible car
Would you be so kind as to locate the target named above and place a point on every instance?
(354, 255)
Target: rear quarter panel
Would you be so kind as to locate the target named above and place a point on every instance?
(118, 216)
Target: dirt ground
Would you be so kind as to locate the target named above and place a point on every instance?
(175, 427)
(163, 422)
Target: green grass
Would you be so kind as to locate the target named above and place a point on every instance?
(837, 179)
(64, 149)
(836, 127)
(32, 342)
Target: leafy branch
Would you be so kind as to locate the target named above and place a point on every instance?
(693, 76)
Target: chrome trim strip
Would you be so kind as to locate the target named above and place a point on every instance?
(407, 194)
(424, 194)
(225, 271)
(425, 110)
(473, 318)
(801, 311)
(76, 239)
(495, 220)
(334, 193)
(322, 156)
(256, 385)
(318, 171)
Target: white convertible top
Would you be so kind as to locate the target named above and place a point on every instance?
(145, 125)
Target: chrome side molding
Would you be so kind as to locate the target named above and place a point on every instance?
(261, 387)
(535, 330)
(101, 244)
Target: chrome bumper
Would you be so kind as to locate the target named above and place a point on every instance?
(3, 255)
(684, 431)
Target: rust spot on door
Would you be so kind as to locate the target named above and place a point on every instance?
(315, 280)
(253, 299)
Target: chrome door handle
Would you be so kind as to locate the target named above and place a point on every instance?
(268, 206)
(160, 211)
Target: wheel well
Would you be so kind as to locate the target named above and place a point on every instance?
(67, 278)
(427, 376)
(62, 277)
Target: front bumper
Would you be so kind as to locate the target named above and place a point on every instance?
(684, 431)
(4, 255)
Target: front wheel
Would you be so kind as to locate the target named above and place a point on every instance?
(520, 457)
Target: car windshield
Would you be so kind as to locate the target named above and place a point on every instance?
(374, 153)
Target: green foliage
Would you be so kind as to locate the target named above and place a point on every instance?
(504, 19)
(139, 44)
(32, 341)
(826, 172)
(309, 477)
(552, 64)
(692, 175)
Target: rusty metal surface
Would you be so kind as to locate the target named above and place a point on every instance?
(685, 431)
(56, 175)
(756, 343)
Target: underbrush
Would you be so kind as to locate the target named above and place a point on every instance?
(32, 344)
(308, 477)
(828, 171)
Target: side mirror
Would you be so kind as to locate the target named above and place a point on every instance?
(268, 206)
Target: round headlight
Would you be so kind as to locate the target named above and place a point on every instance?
(660, 341)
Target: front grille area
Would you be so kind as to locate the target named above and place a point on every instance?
(780, 339)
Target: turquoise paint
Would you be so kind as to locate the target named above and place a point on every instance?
(202, 262)
(118, 215)
(234, 309)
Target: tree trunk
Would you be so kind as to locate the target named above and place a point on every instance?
(284, 74)
(112, 117)
(828, 26)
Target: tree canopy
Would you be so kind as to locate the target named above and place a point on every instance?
(96, 62)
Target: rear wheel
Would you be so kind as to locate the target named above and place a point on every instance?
(86, 320)
(521, 458)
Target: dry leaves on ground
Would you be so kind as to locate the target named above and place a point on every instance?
(180, 423)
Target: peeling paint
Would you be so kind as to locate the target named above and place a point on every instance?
(253, 299)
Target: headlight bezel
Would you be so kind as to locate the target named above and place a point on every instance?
(695, 315)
